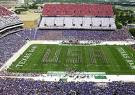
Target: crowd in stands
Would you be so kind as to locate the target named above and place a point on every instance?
(77, 10)
(8, 19)
(77, 16)
(9, 45)
(10, 86)
(119, 35)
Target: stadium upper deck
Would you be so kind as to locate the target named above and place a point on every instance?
(4, 11)
(77, 16)
(8, 20)
(77, 10)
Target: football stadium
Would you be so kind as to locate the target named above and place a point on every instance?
(74, 49)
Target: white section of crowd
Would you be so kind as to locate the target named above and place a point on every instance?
(46, 77)
(77, 23)
(8, 19)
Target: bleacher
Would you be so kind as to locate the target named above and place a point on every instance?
(77, 16)
(15, 86)
(77, 10)
(8, 20)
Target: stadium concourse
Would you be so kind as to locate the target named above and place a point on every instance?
(14, 41)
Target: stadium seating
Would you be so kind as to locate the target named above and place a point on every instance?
(8, 19)
(85, 35)
(77, 10)
(9, 45)
(77, 16)
(10, 86)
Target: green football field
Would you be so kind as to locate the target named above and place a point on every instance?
(41, 58)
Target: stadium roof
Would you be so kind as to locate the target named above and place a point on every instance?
(77, 10)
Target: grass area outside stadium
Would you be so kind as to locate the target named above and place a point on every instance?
(41, 58)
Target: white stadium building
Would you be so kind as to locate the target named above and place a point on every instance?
(77, 16)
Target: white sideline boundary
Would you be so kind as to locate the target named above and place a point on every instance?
(45, 77)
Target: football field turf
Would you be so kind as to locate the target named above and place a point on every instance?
(109, 59)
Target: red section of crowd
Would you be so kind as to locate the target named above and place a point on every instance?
(77, 10)
(4, 11)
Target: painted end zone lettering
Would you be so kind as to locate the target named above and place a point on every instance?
(26, 56)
